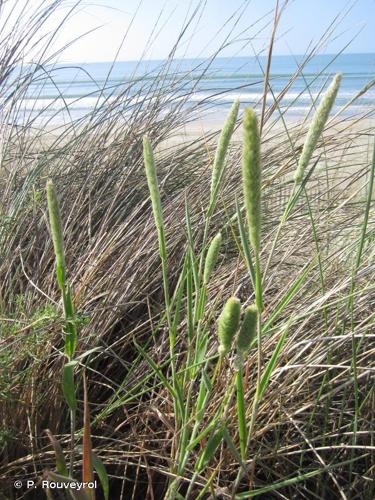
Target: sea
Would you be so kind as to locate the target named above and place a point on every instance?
(62, 92)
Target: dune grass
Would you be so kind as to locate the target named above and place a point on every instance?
(216, 336)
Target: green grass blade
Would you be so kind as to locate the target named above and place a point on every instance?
(61, 466)
(241, 413)
(176, 395)
(287, 297)
(266, 376)
(102, 474)
(290, 481)
(210, 449)
(68, 385)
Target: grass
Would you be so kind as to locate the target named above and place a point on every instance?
(216, 336)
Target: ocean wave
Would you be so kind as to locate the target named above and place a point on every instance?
(82, 103)
(293, 98)
(192, 76)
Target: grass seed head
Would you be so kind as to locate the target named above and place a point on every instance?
(56, 232)
(248, 328)
(222, 147)
(211, 258)
(317, 126)
(227, 324)
(152, 181)
(251, 175)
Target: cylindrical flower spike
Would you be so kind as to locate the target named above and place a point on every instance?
(248, 329)
(211, 258)
(227, 324)
(316, 127)
(56, 233)
(222, 148)
(251, 176)
(153, 187)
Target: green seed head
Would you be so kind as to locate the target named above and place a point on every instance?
(152, 181)
(222, 148)
(56, 232)
(211, 258)
(317, 126)
(227, 324)
(248, 329)
(251, 175)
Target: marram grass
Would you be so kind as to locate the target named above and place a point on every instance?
(227, 324)
(316, 127)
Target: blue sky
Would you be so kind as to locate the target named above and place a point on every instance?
(303, 21)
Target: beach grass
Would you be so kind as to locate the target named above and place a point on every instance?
(191, 320)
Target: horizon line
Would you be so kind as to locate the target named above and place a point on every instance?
(219, 57)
